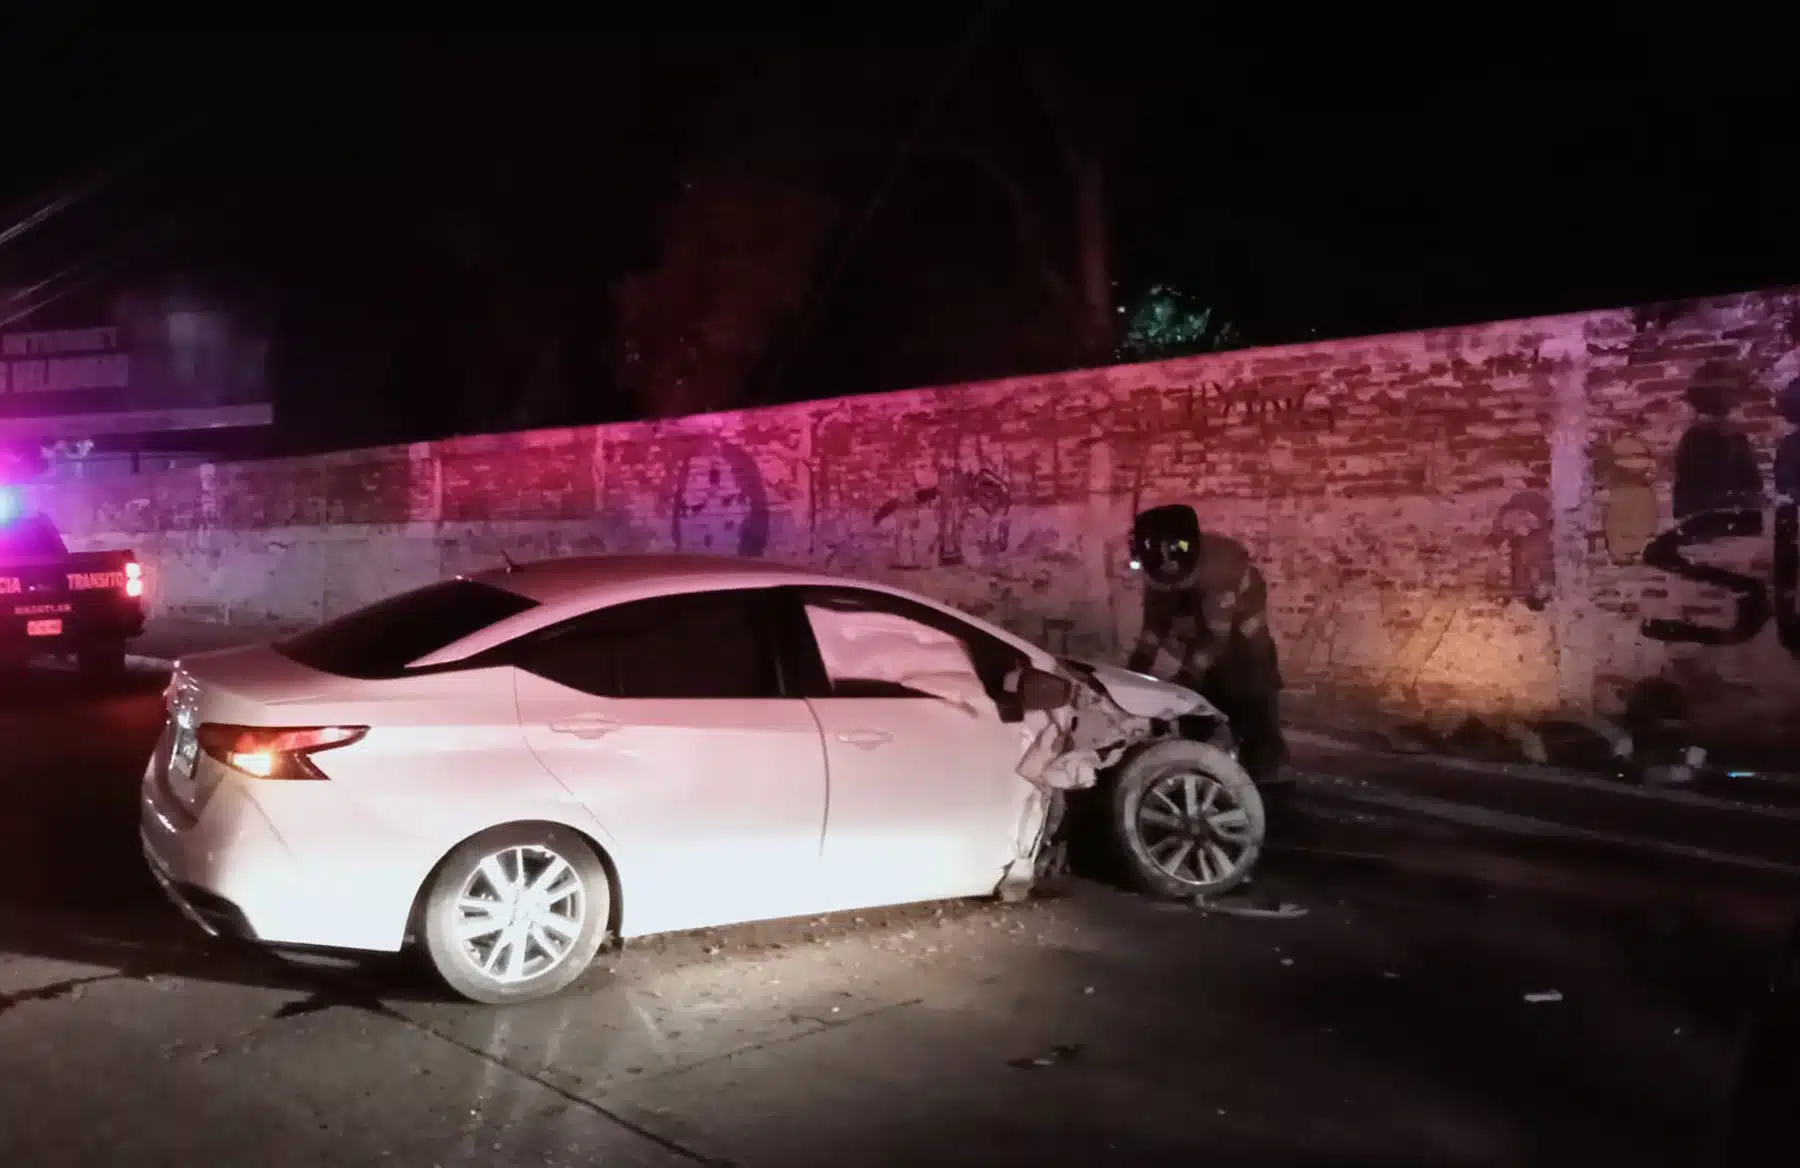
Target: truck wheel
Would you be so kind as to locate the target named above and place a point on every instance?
(1188, 820)
(102, 662)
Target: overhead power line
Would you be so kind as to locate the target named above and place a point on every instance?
(100, 181)
(935, 100)
(81, 275)
(228, 99)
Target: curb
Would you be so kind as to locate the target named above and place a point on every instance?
(1622, 744)
(1508, 823)
(1557, 776)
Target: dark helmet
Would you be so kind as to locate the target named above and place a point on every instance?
(1165, 541)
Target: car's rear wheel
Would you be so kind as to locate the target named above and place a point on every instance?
(516, 913)
(1188, 820)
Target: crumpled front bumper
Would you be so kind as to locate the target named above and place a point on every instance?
(1067, 750)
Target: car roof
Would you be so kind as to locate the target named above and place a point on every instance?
(568, 587)
(593, 578)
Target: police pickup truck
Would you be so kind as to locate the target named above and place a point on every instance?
(54, 602)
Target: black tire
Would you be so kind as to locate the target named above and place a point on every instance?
(452, 958)
(101, 662)
(1165, 761)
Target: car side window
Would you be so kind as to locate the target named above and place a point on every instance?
(695, 646)
(876, 654)
(860, 637)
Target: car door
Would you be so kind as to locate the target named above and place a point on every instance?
(667, 718)
(925, 801)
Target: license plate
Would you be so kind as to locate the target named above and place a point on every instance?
(182, 753)
(43, 628)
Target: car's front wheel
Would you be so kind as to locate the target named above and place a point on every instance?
(516, 913)
(1188, 819)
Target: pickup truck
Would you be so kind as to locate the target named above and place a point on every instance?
(54, 602)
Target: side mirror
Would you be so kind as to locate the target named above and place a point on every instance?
(1040, 689)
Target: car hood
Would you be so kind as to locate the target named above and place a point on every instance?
(1141, 694)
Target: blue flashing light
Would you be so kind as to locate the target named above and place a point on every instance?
(10, 505)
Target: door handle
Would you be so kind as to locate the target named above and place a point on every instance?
(867, 739)
(586, 727)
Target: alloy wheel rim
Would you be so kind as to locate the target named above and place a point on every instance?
(1194, 829)
(520, 912)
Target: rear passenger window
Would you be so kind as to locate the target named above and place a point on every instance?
(382, 639)
(702, 645)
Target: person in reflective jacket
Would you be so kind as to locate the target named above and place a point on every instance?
(1206, 627)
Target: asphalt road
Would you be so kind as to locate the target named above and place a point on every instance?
(1389, 1026)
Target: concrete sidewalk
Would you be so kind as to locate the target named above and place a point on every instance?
(1754, 763)
(1545, 807)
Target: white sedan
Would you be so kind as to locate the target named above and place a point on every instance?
(510, 768)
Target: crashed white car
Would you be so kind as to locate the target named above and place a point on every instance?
(509, 769)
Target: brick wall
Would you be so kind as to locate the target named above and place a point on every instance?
(1454, 518)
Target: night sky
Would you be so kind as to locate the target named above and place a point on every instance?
(394, 182)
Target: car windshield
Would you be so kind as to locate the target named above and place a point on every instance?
(32, 535)
(389, 635)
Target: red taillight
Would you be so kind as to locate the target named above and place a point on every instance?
(274, 752)
(134, 579)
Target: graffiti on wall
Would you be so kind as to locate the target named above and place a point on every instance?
(959, 511)
(1786, 566)
(1524, 527)
(956, 512)
(720, 504)
(1715, 466)
(1718, 495)
(1209, 404)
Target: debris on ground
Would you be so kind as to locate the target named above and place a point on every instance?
(1242, 906)
(1060, 1053)
(1544, 996)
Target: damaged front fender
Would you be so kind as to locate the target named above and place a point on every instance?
(1110, 711)
(1140, 694)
